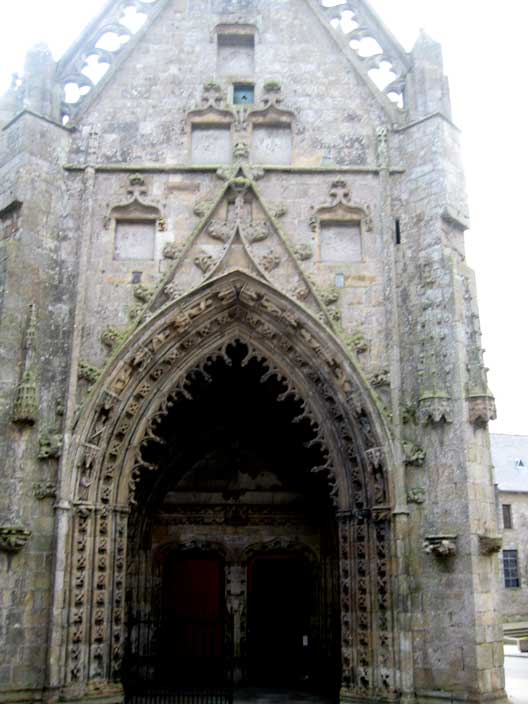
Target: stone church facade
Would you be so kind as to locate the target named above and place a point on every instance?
(244, 407)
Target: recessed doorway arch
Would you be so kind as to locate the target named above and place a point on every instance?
(152, 372)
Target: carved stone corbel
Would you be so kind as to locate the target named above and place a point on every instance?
(482, 409)
(413, 455)
(490, 544)
(50, 446)
(13, 538)
(416, 495)
(441, 546)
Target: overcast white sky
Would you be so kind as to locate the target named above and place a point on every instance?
(485, 56)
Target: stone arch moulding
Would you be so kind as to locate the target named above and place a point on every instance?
(144, 378)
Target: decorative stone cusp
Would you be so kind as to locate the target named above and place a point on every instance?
(482, 409)
(440, 545)
(13, 538)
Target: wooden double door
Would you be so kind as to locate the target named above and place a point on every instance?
(197, 626)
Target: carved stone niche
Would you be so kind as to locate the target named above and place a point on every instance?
(482, 409)
(442, 546)
(10, 219)
(340, 226)
(210, 128)
(13, 538)
(134, 224)
(490, 544)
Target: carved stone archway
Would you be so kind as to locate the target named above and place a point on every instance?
(143, 379)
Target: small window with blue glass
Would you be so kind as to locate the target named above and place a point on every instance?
(243, 94)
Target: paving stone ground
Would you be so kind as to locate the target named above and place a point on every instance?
(516, 670)
(277, 696)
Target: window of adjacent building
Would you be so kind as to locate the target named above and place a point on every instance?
(511, 568)
(272, 145)
(135, 240)
(340, 242)
(507, 522)
(243, 94)
(211, 144)
(236, 54)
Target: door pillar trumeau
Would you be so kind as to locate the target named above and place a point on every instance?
(137, 390)
(236, 604)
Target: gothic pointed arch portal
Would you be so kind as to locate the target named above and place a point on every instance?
(146, 377)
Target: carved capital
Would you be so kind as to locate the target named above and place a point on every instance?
(13, 538)
(442, 546)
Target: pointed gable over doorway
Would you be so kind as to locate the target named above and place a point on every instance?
(373, 53)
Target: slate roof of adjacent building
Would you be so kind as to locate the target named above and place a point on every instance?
(510, 459)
